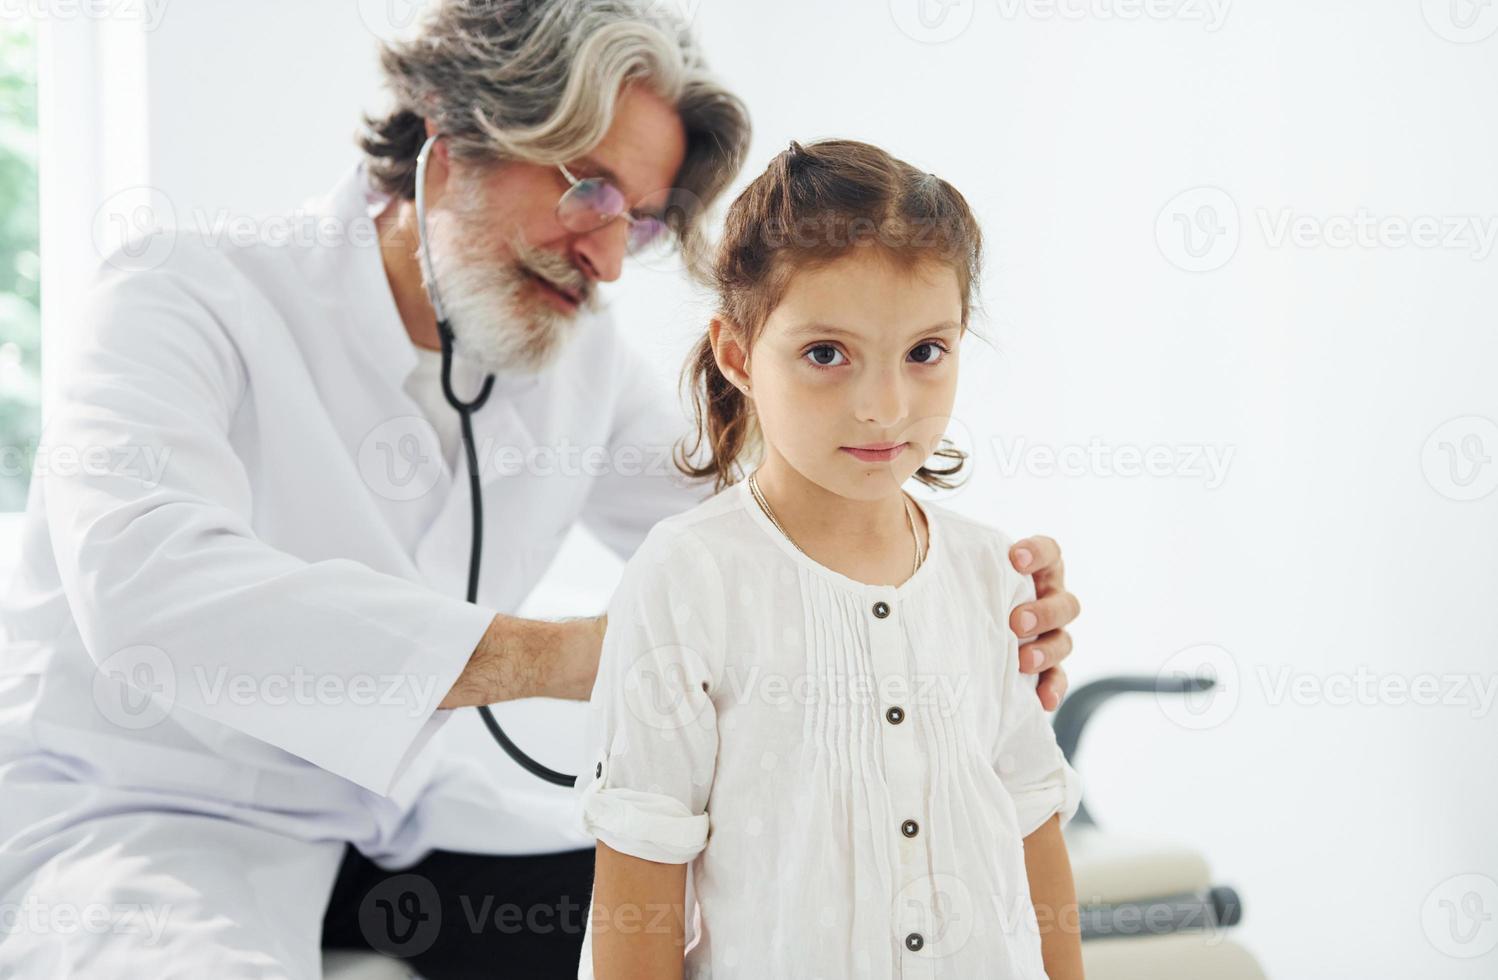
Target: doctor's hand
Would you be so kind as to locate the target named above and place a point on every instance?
(1045, 619)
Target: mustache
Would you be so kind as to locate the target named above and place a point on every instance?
(555, 269)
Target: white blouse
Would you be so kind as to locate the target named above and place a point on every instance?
(849, 769)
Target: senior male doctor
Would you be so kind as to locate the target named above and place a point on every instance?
(173, 800)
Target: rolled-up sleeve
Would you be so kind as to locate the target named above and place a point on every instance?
(1027, 758)
(652, 729)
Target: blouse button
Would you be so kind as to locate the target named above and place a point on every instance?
(599, 770)
(910, 828)
(914, 942)
(895, 715)
(881, 609)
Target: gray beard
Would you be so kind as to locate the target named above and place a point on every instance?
(495, 325)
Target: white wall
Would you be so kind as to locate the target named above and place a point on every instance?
(1334, 546)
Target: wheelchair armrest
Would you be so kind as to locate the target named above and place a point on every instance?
(1081, 704)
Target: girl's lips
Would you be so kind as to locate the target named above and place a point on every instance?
(876, 455)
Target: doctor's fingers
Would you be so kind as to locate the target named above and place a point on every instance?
(1051, 688)
(1047, 650)
(1053, 610)
(1040, 556)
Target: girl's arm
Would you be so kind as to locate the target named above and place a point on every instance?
(1054, 894)
(639, 917)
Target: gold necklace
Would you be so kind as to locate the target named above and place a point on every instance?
(764, 505)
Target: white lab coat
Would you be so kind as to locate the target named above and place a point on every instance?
(239, 510)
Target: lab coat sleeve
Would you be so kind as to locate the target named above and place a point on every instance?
(1027, 758)
(652, 728)
(168, 559)
(643, 486)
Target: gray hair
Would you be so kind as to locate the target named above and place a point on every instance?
(537, 81)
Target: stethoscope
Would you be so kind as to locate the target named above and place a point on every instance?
(465, 412)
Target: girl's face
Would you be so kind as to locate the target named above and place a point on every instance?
(859, 353)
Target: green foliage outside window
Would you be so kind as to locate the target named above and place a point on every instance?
(20, 280)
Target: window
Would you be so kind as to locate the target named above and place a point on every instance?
(20, 265)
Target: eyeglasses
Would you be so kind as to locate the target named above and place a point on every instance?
(592, 202)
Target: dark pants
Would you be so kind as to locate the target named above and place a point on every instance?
(466, 915)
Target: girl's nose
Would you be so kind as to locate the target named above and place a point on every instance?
(882, 398)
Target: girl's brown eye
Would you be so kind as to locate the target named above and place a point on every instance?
(935, 349)
(817, 361)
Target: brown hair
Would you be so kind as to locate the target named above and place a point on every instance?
(812, 206)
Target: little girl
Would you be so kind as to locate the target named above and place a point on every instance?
(809, 694)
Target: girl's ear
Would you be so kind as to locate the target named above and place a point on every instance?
(729, 351)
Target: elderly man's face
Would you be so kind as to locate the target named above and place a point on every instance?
(511, 277)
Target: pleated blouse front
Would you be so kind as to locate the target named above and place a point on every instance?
(849, 769)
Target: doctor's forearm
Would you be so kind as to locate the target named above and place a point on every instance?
(529, 658)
